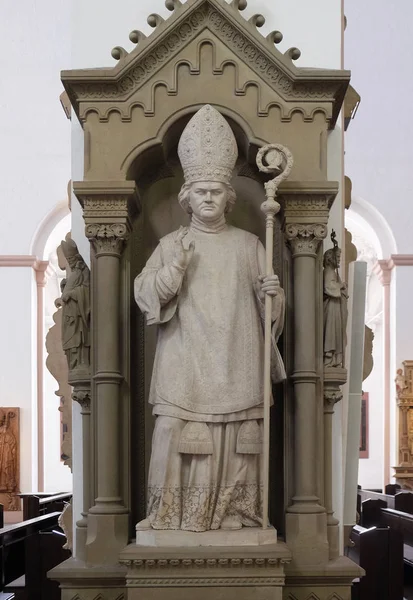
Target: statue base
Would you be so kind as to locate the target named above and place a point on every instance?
(180, 573)
(247, 536)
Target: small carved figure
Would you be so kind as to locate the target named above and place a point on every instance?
(335, 308)
(76, 309)
(204, 286)
(8, 453)
(400, 382)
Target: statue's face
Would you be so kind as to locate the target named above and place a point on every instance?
(208, 199)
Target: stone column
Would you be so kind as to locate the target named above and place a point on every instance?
(333, 379)
(384, 271)
(306, 210)
(81, 394)
(40, 267)
(108, 208)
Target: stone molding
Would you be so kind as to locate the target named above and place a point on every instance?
(260, 566)
(194, 563)
(88, 88)
(108, 210)
(306, 207)
(383, 268)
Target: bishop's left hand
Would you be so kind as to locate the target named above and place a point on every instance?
(269, 285)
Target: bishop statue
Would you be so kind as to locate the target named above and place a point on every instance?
(204, 287)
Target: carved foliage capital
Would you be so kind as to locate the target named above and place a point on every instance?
(83, 398)
(305, 238)
(331, 397)
(107, 238)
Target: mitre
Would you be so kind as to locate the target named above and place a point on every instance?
(69, 248)
(207, 149)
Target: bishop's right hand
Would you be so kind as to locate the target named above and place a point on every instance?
(182, 257)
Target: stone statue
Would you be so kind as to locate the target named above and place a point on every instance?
(335, 308)
(204, 287)
(8, 453)
(400, 381)
(76, 309)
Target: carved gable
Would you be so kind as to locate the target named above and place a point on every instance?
(179, 40)
(206, 52)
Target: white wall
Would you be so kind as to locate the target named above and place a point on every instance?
(378, 142)
(379, 152)
(17, 382)
(35, 169)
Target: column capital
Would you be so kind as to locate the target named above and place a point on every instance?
(109, 208)
(40, 268)
(305, 239)
(383, 269)
(331, 398)
(306, 208)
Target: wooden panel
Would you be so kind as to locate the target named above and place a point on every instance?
(10, 458)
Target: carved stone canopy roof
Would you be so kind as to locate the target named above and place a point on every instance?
(87, 88)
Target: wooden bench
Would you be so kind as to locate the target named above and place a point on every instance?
(379, 551)
(27, 551)
(376, 513)
(37, 504)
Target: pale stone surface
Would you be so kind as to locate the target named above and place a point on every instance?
(247, 536)
(236, 572)
(204, 286)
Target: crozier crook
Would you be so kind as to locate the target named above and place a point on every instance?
(272, 158)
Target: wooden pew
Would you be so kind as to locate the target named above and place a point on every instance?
(391, 489)
(27, 551)
(375, 513)
(403, 501)
(35, 505)
(370, 495)
(371, 512)
(403, 523)
(380, 553)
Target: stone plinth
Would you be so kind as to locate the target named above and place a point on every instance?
(239, 572)
(332, 581)
(247, 536)
(79, 581)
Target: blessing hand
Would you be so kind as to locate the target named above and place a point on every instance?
(183, 257)
(270, 285)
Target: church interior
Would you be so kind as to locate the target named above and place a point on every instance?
(207, 362)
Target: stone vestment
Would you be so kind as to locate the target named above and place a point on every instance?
(335, 316)
(207, 388)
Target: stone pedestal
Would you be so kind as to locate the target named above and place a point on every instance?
(234, 573)
(332, 581)
(81, 582)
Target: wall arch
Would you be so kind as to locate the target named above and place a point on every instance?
(46, 227)
(172, 127)
(375, 225)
